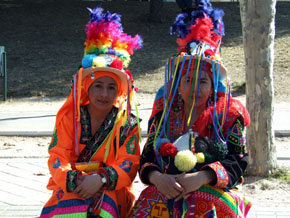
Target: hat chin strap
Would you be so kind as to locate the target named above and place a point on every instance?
(77, 81)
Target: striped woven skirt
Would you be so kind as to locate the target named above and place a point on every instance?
(207, 201)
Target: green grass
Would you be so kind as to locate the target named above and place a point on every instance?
(281, 173)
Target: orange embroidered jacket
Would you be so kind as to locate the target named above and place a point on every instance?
(120, 146)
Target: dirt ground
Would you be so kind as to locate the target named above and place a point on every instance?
(44, 43)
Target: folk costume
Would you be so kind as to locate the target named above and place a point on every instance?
(214, 142)
(113, 151)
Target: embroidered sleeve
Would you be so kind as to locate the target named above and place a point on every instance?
(222, 178)
(123, 170)
(60, 154)
(235, 162)
(112, 178)
(148, 161)
(236, 139)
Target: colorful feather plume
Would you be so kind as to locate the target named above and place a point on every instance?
(205, 25)
(105, 36)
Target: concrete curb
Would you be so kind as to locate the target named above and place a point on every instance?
(282, 133)
(40, 133)
(26, 133)
(278, 133)
(39, 124)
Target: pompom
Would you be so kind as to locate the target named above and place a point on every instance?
(88, 60)
(200, 157)
(218, 150)
(99, 62)
(168, 148)
(185, 161)
(201, 144)
(118, 64)
(160, 141)
(209, 53)
(98, 211)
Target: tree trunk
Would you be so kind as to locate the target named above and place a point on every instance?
(156, 11)
(258, 22)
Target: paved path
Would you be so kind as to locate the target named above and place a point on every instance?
(23, 190)
(23, 186)
(41, 123)
(23, 180)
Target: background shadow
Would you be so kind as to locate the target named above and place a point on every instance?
(44, 39)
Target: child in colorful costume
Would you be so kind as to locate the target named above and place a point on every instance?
(195, 153)
(94, 152)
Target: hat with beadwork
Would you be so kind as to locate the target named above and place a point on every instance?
(199, 40)
(107, 53)
(108, 48)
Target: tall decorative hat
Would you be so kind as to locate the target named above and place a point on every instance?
(107, 53)
(198, 54)
(199, 43)
(199, 40)
(107, 47)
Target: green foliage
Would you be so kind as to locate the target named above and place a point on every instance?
(281, 173)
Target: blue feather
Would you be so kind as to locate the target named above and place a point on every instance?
(179, 26)
(140, 41)
(97, 15)
(217, 17)
(204, 7)
(116, 18)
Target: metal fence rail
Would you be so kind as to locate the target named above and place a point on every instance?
(3, 71)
